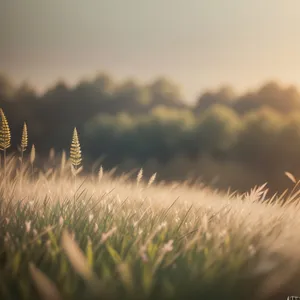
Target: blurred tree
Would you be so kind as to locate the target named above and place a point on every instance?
(259, 139)
(255, 137)
(224, 96)
(164, 92)
(7, 88)
(284, 100)
(217, 131)
(131, 97)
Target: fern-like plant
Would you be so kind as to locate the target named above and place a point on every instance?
(5, 136)
(75, 152)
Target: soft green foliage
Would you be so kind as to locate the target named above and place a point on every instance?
(249, 150)
(153, 126)
(120, 240)
(217, 129)
(260, 136)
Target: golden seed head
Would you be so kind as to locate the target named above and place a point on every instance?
(5, 137)
(75, 151)
(24, 140)
(32, 154)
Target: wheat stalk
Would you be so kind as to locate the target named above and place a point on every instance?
(5, 137)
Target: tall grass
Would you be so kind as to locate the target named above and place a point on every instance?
(5, 137)
(24, 140)
(75, 152)
(75, 155)
(137, 238)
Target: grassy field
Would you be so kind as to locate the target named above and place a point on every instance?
(94, 237)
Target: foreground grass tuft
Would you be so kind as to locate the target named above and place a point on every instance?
(63, 236)
(116, 239)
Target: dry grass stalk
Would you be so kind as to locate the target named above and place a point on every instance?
(32, 155)
(139, 176)
(45, 287)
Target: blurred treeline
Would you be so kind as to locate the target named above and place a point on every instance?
(227, 140)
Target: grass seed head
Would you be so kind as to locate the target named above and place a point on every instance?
(75, 150)
(152, 179)
(32, 154)
(5, 136)
(139, 176)
(24, 140)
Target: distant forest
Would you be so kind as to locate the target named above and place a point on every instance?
(225, 139)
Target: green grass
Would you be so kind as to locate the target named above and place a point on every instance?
(116, 239)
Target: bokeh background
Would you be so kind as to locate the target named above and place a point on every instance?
(188, 89)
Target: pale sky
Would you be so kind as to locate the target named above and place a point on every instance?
(198, 44)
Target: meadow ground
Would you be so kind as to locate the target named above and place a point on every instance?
(94, 237)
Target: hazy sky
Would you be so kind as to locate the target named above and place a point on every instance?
(198, 44)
